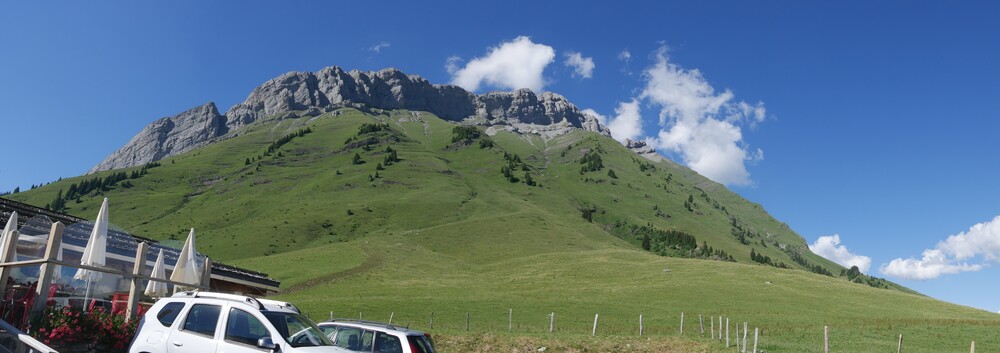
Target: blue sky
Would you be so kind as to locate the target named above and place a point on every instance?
(877, 119)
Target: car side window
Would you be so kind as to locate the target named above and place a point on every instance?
(202, 318)
(348, 338)
(366, 341)
(329, 331)
(168, 313)
(386, 343)
(243, 327)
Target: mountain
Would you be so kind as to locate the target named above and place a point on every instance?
(311, 93)
(380, 212)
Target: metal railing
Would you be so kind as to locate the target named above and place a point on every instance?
(13, 340)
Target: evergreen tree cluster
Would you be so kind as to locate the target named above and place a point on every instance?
(513, 164)
(766, 260)
(464, 134)
(587, 212)
(367, 128)
(591, 162)
(390, 156)
(274, 146)
(741, 234)
(689, 204)
(664, 242)
(707, 252)
(97, 185)
(797, 257)
(646, 166)
(657, 240)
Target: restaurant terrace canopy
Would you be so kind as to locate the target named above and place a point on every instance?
(49, 247)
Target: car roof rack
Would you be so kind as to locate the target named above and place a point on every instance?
(259, 303)
(366, 322)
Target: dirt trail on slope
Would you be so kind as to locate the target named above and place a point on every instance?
(372, 262)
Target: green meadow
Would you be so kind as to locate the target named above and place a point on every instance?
(442, 232)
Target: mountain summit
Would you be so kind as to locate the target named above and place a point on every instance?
(297, 94)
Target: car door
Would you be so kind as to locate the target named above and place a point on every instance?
(240, 333)
(197, 330)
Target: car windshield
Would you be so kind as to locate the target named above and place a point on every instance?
(296, 329)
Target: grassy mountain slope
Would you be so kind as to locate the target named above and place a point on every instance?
(443, 230)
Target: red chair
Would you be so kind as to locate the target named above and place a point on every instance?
(52, 294)
(119, 302)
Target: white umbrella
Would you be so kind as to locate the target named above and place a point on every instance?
(97, 247)
(10, 227)
(156, 288)
(186, 269)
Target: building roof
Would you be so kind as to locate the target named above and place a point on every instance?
(219, 270)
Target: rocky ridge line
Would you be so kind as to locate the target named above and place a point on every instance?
(312, 93)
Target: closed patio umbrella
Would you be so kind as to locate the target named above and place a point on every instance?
(97, 247)
(10, 227)
(186, 269)
(156, 288)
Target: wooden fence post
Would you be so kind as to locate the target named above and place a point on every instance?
(701, 322)
(738, 337)
(727, 332)
(682, 323)
(361, 316)
(711, 326)
(8, 246)
(390, 317)
(52, 250)
(973, 349)
(594, 331)
(136, 288)
(432, 320)
(468, 318)
(899, 347)
(331, 315)
(720, 328)
(510, 320)
(744, 337)
(552, 322)
(826, 339)
(206, 274)
(640, 325)
(755, 340)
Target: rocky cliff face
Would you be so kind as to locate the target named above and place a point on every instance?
(311, 93)
(168, 136)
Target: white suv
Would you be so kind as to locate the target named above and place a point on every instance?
(204, 322)
(367, 336)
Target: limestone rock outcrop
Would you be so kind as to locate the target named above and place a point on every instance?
(168, 136)
(310, 93)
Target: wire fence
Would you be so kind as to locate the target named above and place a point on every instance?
(731, 333)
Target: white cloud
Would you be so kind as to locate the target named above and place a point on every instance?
(701, 126)
(625, 56)
(513, 65)
(378, 47)
(627, 123)
(830, 247)
(583, 67)
(967, 251)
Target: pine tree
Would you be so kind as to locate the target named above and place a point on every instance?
(357, 159)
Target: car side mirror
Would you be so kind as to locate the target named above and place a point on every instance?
(267, 343)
